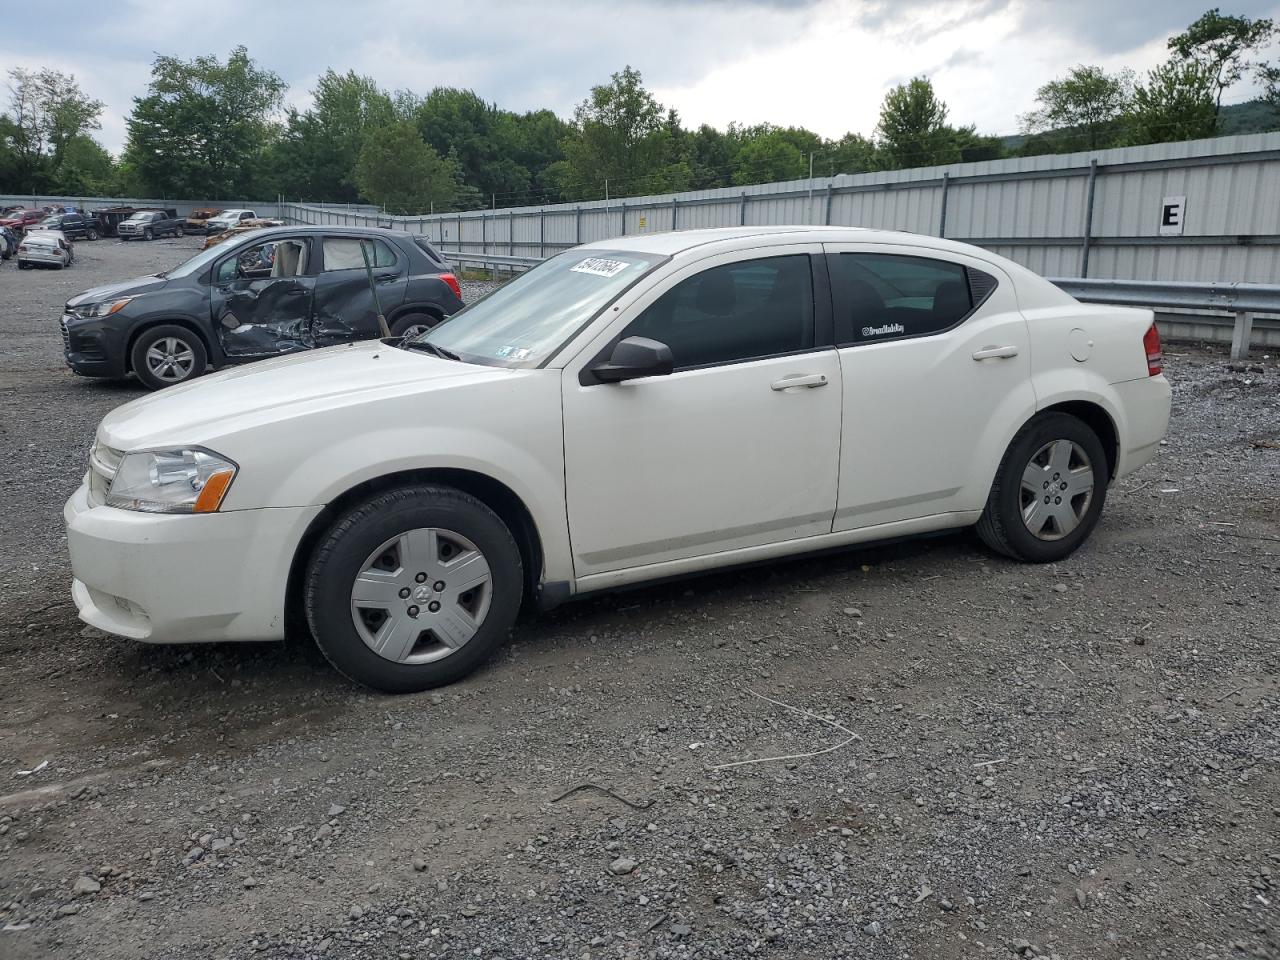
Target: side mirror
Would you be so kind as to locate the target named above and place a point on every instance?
(635, 357)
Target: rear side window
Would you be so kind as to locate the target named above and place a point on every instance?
(738, 311)
(343, 253)
(428, 249)
(891, 297)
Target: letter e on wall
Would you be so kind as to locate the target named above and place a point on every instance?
(1173, 213)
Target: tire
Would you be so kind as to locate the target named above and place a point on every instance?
(413, 323)
(1051, 450)
(22, 265)
(188, 356)
(147, 234)
(366, 542)
(92, 235)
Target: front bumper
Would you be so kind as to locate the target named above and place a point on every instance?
(182, 578)
(90, 349)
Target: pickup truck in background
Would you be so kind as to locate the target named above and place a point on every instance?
(198, 218)
(149, 224)
(226, 220)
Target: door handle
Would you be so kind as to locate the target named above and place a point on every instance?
(995, 353)
(386, 277)
(790, 383)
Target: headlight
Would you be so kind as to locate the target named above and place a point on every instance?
(89, 311)
(171, 481)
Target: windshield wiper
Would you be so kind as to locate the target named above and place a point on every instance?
(428, 347)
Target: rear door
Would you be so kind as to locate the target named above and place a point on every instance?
(261, 298)
(344, 304)
(935, 362)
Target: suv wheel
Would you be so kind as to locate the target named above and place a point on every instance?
(1048, 492)
(168, 355)
(92, 235)
(414, 588)
(147, 234)
(412, 324)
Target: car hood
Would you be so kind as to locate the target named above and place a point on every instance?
(118, 289)
(268, 391)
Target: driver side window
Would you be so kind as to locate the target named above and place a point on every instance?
(737, 311)
(268, 260)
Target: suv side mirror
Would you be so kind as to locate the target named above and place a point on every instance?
(635, 357)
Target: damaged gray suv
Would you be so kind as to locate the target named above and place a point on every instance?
(267, 293)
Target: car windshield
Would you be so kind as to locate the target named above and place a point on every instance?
(196, 263)
(51, 222)
(140, 216)
(524, 322)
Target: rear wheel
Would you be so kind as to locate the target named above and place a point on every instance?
(168, 355)
(413, 324)
(414, 588)
(92, 235)
(1049, 491)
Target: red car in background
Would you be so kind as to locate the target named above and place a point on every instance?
(19, 220)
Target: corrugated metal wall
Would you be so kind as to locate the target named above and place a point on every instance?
(1030, 209)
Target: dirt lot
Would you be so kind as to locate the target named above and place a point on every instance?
(1077, 761)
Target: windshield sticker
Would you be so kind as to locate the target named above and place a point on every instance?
(599, 267)
(882, 331)
(514, 353)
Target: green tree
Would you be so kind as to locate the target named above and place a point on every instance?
(1269, 77)
(973, 146)
(852, 153)
(709, 153)
(913, 130)
(316, 155)
(766, 154)
(1219, 45)
(47, 110)
(204, 126)
(619, 135)
(1082, 109)
(400, 171)
(1176, 102)
(86, 168)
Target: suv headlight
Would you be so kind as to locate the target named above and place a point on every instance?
(192, 480)
(89, 311)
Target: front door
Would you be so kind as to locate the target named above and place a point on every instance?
(935, 360)
(261, 298)
(737, 448)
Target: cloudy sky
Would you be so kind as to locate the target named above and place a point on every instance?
(823, 64)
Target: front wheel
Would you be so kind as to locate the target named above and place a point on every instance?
(92, 235)
(148, 235)
(1048, 492)
(168, 355)
(414, 588)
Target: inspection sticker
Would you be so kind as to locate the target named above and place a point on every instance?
(599, 267)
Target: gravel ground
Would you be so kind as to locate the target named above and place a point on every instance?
(1074, 761)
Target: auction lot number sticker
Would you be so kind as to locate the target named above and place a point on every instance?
(600, 267)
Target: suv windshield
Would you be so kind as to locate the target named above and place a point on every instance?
(524, 322)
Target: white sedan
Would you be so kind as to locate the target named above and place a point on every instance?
(45, 248)
(644, 407)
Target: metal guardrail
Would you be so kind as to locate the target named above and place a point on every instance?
(490, 259)
(1244, 300)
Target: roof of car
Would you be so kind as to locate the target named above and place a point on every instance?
(332, 230)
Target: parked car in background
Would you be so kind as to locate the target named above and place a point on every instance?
(197, 218)
(149, 224)
(263, 294)
(243, 226)
(21, 219)
(226, 220)
(76, 226)
(112, 217)
(634, 409)
(45, 248)
(8, 243)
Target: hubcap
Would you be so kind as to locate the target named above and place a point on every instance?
(1057, 488)
(421, 596)
(416, 330)
(170, 359)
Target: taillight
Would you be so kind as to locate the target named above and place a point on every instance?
(453, 284)
(1155, 359)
